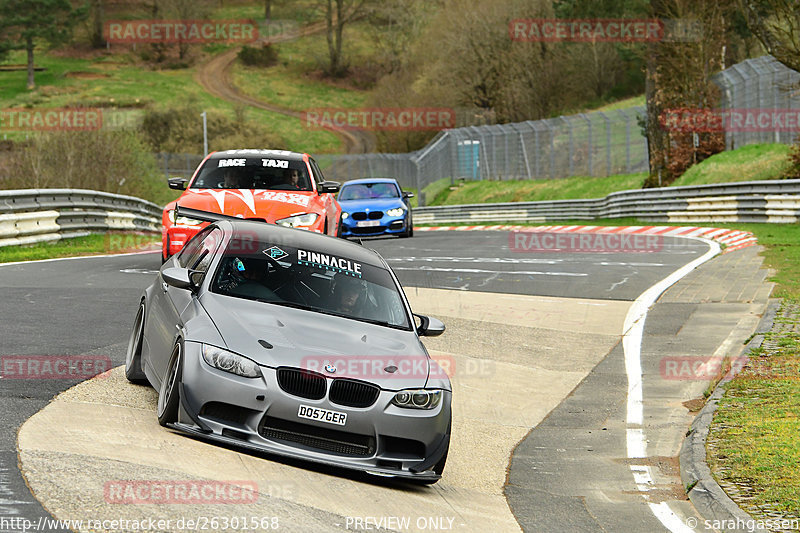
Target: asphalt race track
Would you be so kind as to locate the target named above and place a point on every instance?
(537, 338)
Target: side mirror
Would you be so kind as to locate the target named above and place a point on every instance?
(429, 326)
(177, 183)
(329, 186)
(408, 194)
(178, 277)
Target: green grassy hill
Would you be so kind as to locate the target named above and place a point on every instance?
(754, 162)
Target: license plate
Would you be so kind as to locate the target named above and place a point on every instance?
(322, 415)
(368, 223)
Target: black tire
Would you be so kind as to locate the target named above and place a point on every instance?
(169, 395)
(339, 230)
(133, 357)
(409, 232)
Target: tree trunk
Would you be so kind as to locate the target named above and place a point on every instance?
(339, 29)
(333, 65)
(29, 49)
(98, 21)
(656, 136)
(267, 9)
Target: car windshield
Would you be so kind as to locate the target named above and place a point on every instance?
(309, 279)
(365, 191)
(263, 172)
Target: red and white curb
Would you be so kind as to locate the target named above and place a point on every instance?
(733, 239)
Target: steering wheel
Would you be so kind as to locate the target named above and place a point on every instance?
(289, 275)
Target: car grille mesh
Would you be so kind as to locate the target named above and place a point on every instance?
(303, 383)
(353, 393)
(372, 215)
(329, 440)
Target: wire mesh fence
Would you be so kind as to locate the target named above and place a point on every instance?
(600, 143)
(758, 86)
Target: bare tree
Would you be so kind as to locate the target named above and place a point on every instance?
(776, 23)
(339, 13)
(679, 76)
(395, 25)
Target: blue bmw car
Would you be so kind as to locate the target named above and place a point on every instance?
(375, 206)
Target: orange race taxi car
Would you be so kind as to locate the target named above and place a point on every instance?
(274, 186)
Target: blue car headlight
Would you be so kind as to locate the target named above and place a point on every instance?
(230, 362)
(396, 212)
(418, 399)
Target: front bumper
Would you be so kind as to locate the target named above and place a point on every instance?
(257, 414)
(387, 226)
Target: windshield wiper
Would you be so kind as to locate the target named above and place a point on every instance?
(285, 303)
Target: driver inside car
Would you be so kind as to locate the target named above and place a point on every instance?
(246, 277)
(350, 297)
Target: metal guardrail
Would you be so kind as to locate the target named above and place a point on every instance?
(753, 201)
(36, 215)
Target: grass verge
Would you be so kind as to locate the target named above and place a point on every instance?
(754, 162)
(94, 244)
(752, 447)
(479, 192)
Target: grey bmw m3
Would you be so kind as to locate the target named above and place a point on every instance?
(294, 343)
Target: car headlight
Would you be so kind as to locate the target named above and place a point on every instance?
(418, 399)
(306, 219)
(230, 362)
(345, 215)
(396, 212)
(182, 220)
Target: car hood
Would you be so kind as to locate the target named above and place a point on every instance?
(247, 203)
(274, 336)
(373, 204)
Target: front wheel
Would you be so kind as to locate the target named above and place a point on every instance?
(133, 357)
(409, 232)
(168, 395)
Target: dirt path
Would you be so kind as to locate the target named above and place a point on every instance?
(215, 77)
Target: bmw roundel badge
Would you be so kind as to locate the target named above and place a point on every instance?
(330, 369)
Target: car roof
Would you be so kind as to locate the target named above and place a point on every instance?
(252, 152)
(299, 238)
(371, 180)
